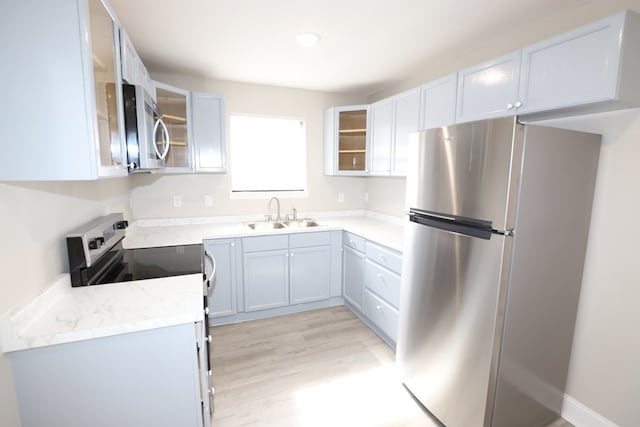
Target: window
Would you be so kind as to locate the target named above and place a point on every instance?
(268, 154)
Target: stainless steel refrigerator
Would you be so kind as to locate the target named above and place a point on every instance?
(495, 240)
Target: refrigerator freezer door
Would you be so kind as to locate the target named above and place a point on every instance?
(451, 304)
(468, 170)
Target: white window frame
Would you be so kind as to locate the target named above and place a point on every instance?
(266, 194)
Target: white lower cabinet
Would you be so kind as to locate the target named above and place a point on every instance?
(381, 314)
(265, 263)
(310, 269)
(286, 269)
(148, 378)
(226, 254)
(353, 270)
(371, 283)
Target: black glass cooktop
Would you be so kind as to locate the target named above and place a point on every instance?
(151, 263)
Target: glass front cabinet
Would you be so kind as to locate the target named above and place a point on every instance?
(175, 105)
(346, 140)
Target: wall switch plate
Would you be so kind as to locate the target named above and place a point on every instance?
(366, 197)
(208, 200)
(341, 197)
(177, 201)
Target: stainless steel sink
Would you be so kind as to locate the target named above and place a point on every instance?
(277, 225)
(267, 225)
(301, 223)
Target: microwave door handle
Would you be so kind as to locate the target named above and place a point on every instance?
(155, 131)
(165, 132)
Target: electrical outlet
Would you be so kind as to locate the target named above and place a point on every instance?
(208, 200)
(366, 197)
(341, 197)
(177, 201)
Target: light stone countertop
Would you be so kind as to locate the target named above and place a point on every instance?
(62, 314)
(385, 230)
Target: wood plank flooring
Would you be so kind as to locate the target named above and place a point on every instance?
(318, 368)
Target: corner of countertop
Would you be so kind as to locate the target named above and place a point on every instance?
(21, 317)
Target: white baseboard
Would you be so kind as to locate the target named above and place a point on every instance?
(581, 415)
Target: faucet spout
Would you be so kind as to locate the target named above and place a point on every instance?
(278, 217)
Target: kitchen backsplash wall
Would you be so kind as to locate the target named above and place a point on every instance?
(37, 217)
(152, 194)
(386, 195)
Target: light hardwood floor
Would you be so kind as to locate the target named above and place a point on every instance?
(319, 368)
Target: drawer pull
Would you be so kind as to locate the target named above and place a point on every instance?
(381, 256)
(381, 277)
(378, 307)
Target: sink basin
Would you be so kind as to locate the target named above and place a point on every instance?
(301, 223)
(267, 225)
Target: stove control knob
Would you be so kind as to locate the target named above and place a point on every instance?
(121, 225)
(96, 243)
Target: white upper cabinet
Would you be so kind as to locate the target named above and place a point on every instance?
(208, 132)
(489, 89)
(392, 120)
(381, 137)
(438, 102)
(594, 68)
(61, 114)
(130, 60)
(406, 120)
(346, 140)
(133, 70)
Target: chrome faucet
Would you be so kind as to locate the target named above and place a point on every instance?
(278, 217)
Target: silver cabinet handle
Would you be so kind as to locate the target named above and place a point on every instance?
(209, 338)
(206, 310)
(212, 391)
(518, 104)
(509, 106)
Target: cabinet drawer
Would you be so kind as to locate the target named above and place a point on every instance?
(353, 241)
(385, 257)
(382, 282)
(265, 243)
(381, 314)
(301, 240)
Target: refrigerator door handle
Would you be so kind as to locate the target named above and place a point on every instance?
(479, 229)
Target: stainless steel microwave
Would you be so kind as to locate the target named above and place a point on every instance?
(146, 133)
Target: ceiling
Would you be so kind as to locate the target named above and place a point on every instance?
(365, 46)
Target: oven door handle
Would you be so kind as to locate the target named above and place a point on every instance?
(210, 277)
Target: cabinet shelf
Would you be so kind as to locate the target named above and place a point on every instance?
(174, 118)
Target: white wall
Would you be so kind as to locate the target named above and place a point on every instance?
(605, 363)
(153, 194)
(36, 218)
